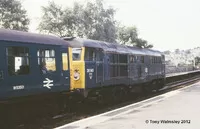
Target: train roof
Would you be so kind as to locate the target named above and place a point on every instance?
(79, 42)
(26, 37)
(112, 47)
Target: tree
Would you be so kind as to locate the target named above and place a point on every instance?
(13, 16)
(143, 43)
(91, 21)
(177, 51)
(167, 52)
(188, 52)
(129, 36)
(53, 20)
(197, 60)
(99, 22)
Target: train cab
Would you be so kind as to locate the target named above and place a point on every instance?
(86, 62)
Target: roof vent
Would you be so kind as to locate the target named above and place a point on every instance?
(68, 38)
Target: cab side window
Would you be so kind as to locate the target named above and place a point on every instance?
(46, 60)
(90, 54)
(99, 55)
(18, 60)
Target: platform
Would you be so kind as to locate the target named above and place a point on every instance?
(180, 73)
(178, 109)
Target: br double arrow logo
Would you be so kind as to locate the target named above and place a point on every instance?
(47, 83)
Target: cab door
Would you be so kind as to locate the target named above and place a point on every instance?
(99, 67)
(49, 60)
(65, 75)
(56, 78)
(90, 67)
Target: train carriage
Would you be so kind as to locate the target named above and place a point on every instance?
(32, 64)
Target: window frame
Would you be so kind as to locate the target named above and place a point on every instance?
(67, 61)
(87, 56)
(42, 58)
(25, 56)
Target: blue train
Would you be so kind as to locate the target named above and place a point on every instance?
(97, 64)
(43, 65)
(32, 64)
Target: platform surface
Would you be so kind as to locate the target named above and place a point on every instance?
(178, 109)
(180, 73)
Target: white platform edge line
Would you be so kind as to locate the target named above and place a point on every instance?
(166, 95)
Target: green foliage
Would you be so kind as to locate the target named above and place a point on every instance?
(143, 43)
(197, 60)
(99, 22)
(167, 52)
(177, 51)
(129, 36)
(13, 16)
(92, 21)
(52, 20)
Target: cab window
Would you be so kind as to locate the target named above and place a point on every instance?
(76, 54)
(18, 60)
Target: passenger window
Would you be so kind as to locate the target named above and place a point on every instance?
(46, 60)
(76, 53)
(90, 54)
(18, 60)
(65, 61)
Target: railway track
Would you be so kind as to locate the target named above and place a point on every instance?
(84, 110)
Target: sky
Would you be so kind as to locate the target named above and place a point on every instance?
(167, 24)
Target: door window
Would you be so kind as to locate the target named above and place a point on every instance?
(46, 60)
(65, 61)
